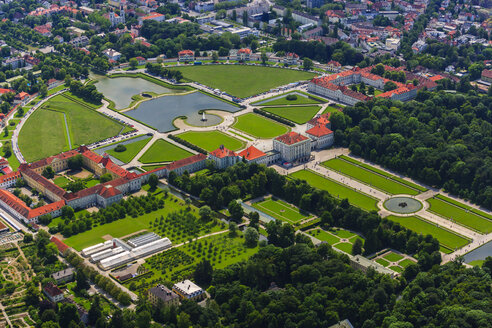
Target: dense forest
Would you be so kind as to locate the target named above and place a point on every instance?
(443, 140)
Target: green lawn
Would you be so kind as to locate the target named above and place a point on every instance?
(151, 167)
(477, 263)
(331, 109)
(460, 215)
(383, 173)
(282, 100)
(344, 234)
(445, 237)
(296, 114)
(337, 190)
(163, 151)
(241, 80)
(322, 235)
(383, 262)
(396, 268)
(280, 210)
(211, 140)
(44, 133)
(406, 262)
(344, 247)
(393, 257)
(259, 126)
(368, 177)
(150, 221)
(463, 205)
(61, 181)
(132, 149)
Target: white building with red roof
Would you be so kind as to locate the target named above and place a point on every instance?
(292, 147)
(53, 293)
(223, 157)
(291, 58)
(321, 136)
(254, 155)
(487, 75)
(244, 54)
(333, 66)
(186, 56)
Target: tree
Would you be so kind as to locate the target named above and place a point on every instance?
(143, 319)
(95, 310)
(68, 212)
(215, 57)
(205, 212)
(251, 237)
(28, 238)
(48, 172)
(32, 296)
(153, 181)
(68, 313)
(75, 163)
(235, 210)
(81, 279)
(105, 178)
(43, 90)
(357, 247)
(120, 148)
(254, 220)
(264, 58)
(390, 85)
(75, 186)
(203, 272)
(232, 229)
(307, 64)
(133, 63)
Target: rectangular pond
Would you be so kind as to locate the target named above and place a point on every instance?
(161, 112)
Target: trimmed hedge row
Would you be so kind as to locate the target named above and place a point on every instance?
(187, 143)
(274, 117)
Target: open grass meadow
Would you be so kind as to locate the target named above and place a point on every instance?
(163, 151)
(282, 100)
(296, 114)
(211, 140)
(337, 190)
(259, 126)
(369, 177)
(281, 210)
(179, 263)
(446, 238)
(176, 229)
(131, 151)
(47, 124)
(460, 215)
(242, 80)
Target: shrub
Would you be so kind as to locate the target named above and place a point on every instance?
(120, 148)
(291, 97)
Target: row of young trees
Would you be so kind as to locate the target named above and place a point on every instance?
(158, 69)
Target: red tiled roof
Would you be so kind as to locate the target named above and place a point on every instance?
(2, 91)
(14, 202)
(52, 290)
(487, 73)
(60, 192)
(291, 138)
(46, 209)
(244, 51)
(321, 119)
(108, 191)
(436, 78)
(185, 52)
(10, 177)
(319, 130)
(62, 247)
(334, 63)
(186, 161)
(223, 152)
(49, 160)
(251, 153)
(292, 55)
(152, 15)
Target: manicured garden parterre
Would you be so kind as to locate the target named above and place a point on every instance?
(337, 190)
(460, 215)
(131, 151)
(449, 240)
(163, 151)
(281, 210)
(211, 140)
(259, 126)
(338, 238)
(302, 98)
(357, 172)
(242, 80)
(296, 114)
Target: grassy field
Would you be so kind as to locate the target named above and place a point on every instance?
(282, 100)
(368, 177)
(241, 80)
(47, 124)
(131, 151)
(337, 190)
(163, 151)
(460, 215)
(296, 114)
(61, 181)
(383, 173)
(280, 210)
(383, 262)
(211, 140)
(331, 109)
(446, 238)
(393, 257)
(148, 221)
(466, 207)
(259, 126)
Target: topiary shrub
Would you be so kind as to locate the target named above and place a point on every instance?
(291, 97)
(120, 148)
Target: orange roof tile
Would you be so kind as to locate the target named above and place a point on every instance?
(251, 153)
(291, 138)
(319, 130)
(223, 152)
